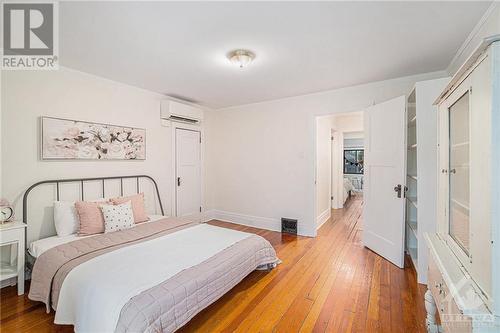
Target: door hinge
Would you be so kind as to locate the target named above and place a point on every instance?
(200, 209)
(332, 138)
(200, 139)
(331, 198)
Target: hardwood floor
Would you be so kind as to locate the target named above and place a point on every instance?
(330, 283)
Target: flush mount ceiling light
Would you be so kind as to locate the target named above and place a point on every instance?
(241, 58)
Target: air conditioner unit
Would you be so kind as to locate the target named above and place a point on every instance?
(180, 112)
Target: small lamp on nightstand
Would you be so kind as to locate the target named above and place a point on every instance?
(6, 211)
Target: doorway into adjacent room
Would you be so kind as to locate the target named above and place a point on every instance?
(339, 162)
(353, 163)
(363, 154)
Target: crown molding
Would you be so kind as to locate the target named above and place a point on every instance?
(471, 37)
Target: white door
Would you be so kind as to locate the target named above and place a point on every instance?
(384, 207)
(188, 173)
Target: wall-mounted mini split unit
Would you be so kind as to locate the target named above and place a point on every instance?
(180, 112)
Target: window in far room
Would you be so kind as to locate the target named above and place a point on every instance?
(353, 161)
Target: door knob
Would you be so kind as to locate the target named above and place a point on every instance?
(398, 189)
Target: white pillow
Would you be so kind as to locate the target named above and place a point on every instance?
(65, 218)
(117, 217)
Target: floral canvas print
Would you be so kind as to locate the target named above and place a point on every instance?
(72, 139)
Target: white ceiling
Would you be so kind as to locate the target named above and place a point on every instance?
(179, 48)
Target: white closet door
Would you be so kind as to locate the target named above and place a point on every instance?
(188, 172)
(384, 208)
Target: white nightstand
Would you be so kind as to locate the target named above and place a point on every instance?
(13, 233)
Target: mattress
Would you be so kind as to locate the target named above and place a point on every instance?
(38, 247)
(188, 266)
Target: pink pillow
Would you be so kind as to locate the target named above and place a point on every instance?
(91, 218)
(138, 207)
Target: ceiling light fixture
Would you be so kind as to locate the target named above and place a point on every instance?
(241, 58)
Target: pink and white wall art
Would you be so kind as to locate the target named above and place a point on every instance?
(73, 139)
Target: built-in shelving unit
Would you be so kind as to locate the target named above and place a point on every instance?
(421, 180)
(412, 181)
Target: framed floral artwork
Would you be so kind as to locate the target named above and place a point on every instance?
(73, 139)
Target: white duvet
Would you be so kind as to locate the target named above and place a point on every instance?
(93, 302)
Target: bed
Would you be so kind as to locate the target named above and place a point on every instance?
(153, 277)
(348, 188)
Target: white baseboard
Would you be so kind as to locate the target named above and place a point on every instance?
(248, 220)
(208, 215)
(338, 205)
(323, 217)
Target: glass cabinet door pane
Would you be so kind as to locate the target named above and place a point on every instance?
(459, 172)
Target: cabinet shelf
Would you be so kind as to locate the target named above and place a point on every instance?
(460, 144)
(413, 201)
(414, 177)
(413, 227)
(412, 121)
(460, 204)
(462, 166)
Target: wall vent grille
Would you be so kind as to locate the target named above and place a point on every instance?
(288, 226)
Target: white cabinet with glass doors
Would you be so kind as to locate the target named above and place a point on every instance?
(464, 281)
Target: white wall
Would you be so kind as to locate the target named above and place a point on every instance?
(323, 168)
(337, 184)
(353, 143)
(27, 95)
(348, 123)
(264, 153)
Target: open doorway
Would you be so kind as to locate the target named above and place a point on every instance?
(376, 169)
(354, 158)
(339, 162)
(347, 164)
